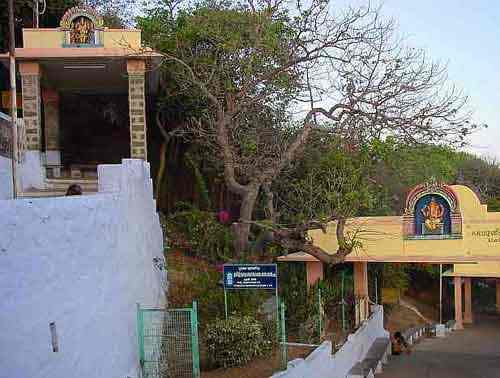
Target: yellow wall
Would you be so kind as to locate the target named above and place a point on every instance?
(382, 237)
(42, 38)
(122, 38)
(481, 269)
(53, 38)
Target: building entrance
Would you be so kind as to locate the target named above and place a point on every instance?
(94, 130)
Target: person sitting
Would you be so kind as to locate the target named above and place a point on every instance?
(74, 190)
(399, 344)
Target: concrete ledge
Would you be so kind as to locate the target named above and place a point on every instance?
(369, 345)
(375, 357)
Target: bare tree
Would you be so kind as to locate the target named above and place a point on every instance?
(266, 76)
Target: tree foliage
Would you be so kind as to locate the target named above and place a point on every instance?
(200, 233)
(255, 79)
(326, 181)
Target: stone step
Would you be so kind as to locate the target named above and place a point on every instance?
(43, 193)
(64, 183)
(70, 180)
(46, 194)
(39, 193)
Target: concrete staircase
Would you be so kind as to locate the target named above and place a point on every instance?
(377, 356)
(379, 352)
(57, 187)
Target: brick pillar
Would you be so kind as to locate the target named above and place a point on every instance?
(361, 290)
(52, 143)
(314, 271)
(498, 296)
(468, 319)
(32, 170)
(458, 303)
(30, 79)
(137, 108)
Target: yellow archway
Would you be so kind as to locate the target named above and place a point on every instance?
(472, 242)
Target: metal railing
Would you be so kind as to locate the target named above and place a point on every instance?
(168, 342)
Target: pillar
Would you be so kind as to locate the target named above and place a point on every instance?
(468, 301)
(458, 303)
(52, 142)
(498, 295)
(137, 108)
(314, 271)
(32, 171)
(361, 290)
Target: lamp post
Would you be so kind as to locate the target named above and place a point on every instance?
(13, 97)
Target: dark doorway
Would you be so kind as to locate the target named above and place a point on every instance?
(94, 128)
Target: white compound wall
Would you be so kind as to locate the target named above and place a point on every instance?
(5, 162)
(322, 364)
(83, 262)
(5, 178)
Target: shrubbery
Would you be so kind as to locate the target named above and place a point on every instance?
(237, 340)
(200, 233)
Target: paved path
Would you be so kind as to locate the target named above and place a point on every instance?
(471, 353)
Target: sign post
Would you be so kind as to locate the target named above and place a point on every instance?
(251, 276)
(225, 302)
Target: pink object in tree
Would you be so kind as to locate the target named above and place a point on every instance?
(219, 268)
(223, 216)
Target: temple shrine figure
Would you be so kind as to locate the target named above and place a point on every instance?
(433, 215)
(84, 90)
(81, 31)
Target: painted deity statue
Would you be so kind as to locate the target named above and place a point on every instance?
(433, 215)
(82, 30)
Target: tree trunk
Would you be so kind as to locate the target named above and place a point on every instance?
(160, 175)
(295, 240)
(242, 228)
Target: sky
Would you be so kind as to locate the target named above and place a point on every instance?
(465, 35)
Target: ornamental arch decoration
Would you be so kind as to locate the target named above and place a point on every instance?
(82, 27)
(432, 211)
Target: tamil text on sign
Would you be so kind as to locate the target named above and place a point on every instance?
(243, 276)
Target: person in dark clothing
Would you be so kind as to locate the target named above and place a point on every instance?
(399, 344)
(74, 190)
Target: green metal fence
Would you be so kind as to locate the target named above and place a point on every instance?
(290, 339)
(282, 337)
(168, 342)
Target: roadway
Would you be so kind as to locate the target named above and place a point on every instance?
(471, 353)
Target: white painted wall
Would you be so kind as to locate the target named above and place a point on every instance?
(82, 262)
(31, 171)
(5, 178)
(5, 163)
(321, 364)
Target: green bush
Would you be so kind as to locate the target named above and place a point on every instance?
(207, 290)
(237, 340)
(199, 232)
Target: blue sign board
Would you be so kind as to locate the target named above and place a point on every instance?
(250, 276)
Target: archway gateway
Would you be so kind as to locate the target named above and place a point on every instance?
(441, 224)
